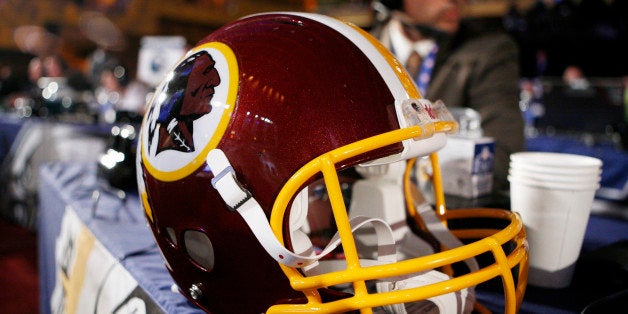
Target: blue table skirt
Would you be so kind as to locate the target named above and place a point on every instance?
(123, 233)
(10, 127)
(126, 236)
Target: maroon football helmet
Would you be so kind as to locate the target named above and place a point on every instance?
(242, 124)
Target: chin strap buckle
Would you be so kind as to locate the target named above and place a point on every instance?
(225, 181)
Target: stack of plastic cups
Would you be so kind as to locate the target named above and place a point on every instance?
(553, 193)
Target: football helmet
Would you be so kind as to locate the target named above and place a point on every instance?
(261, 120)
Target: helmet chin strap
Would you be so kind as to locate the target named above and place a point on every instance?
(238, 199)
(380, 194)
(456, 302)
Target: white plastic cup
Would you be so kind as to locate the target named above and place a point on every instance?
(556, 160)
(555, 216)
(548, 178)
(562, 171)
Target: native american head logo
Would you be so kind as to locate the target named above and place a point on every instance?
(187, 98)
(189, 110)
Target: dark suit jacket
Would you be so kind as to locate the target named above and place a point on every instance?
(480, 70)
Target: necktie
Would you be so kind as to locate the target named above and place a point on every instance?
(413, 64)
(420, 70)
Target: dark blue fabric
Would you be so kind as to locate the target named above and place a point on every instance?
(126, 235)
(614, 160)
(9, 128)
(122, 231)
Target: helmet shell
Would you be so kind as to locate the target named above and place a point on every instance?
(273, 91)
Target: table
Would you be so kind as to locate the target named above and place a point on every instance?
(68, 188)
(597, 267)
(26, 143)
(66, 191)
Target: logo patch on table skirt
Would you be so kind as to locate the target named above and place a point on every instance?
(189, 112)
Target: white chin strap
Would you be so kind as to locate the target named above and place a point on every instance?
(239, 199)
(455, 302)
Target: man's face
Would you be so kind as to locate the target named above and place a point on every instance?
(440, 14)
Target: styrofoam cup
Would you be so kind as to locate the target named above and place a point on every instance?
(555, 218)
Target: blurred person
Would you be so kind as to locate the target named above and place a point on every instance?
(55, 66)
(118, 93)
(97, 61)
(35, 71)
(549, 40)
(602, 28)
(462, 65)
(27, 94)
(572, 40)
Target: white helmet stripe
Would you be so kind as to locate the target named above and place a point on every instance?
(393, 72)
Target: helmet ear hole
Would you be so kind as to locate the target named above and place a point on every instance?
(172, 236)
(199, 248)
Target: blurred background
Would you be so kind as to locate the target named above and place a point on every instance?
(580, 41)
(75, 75)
